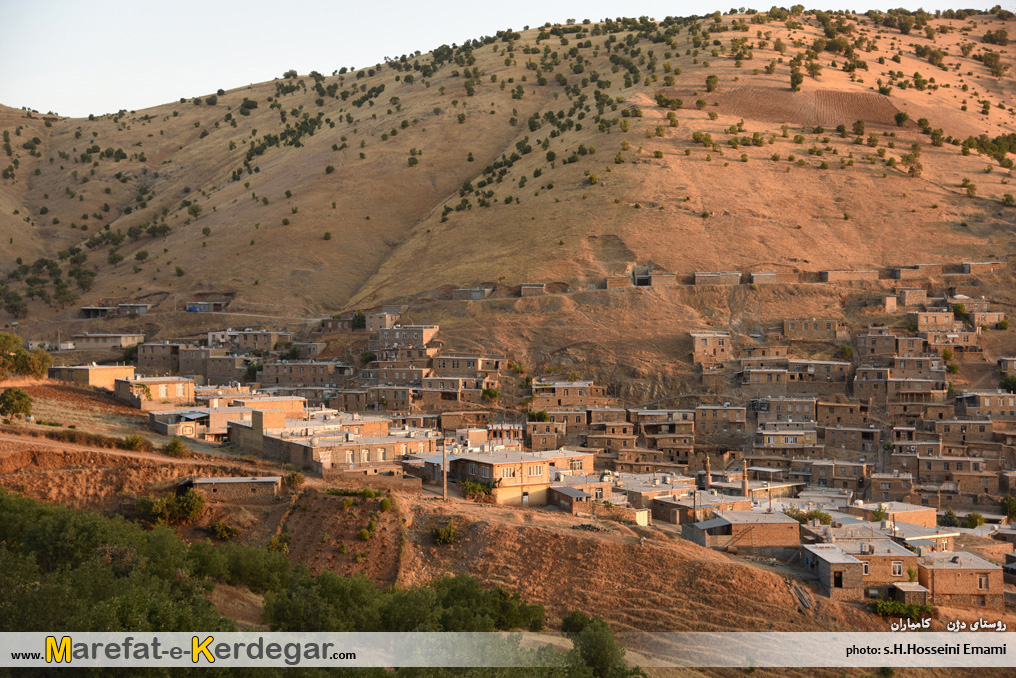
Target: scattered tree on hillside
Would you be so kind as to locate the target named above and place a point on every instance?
(15, 403)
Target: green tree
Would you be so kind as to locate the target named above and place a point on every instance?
(15, 402)
(973, 520)
(599, 651)
(1009, 506)
(796, 79)
(711, 83)
(1008, 383)
(950, 519)
(901, 118)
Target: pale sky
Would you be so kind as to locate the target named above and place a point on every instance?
(76, 58)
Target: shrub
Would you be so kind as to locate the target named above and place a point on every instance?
(385, 504)
(441, 535)
(329, 169)
(177, 448)
(894, 608)
(950, 519)
(222, 531)
(173, 510)
(901, 118)
(295, 480)
(575, 622)
(973, 520)
(328, 235)
(364, 534)
(1003, 325)
(473, 490)
(136, 443)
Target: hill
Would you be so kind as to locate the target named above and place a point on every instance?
(561, 154)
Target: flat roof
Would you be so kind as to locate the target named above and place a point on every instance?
(570, 491)
(252, 479)
(956, 560)
(831, 553)
(755, 517)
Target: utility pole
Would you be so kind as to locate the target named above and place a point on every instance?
(444, 472)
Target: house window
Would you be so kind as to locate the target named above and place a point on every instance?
(364, 456)
(163, 391)
(982, 582)
(484, 471)
(575, 465)
(865, 564)
(536, 470)
(897, 568)
(508, 472)
(471, 469)
(380, 454)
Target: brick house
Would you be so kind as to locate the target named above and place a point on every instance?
(95, 376)
(550, 394)
(811, 329)
(266, 488)
(86, 341)
(748, 530)
(962, 579)
(518, 478)
(154, 393)
(546, 435)
(159, 358)
(709, 348)
(996, 404)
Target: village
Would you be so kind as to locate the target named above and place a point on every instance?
(867, 470)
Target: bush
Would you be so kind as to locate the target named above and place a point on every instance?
(385, 505)
(329, 169)
(295, 480)
(222, 531)
(136, 443)
(894, 608)
(901, 118)
(472, 490)
(442, 535)
(575, 622)
(173, 510)
(177, 448)
(973, 520)
(364, 534)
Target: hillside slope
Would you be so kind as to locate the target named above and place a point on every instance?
(555, 154)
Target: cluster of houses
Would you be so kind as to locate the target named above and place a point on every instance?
(844, 464)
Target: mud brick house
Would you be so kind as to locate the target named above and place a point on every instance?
(225, 369)
(787, 439)
(644, 460)
(996, 404)
(811, 329)
(1007, 365)
(191, 361)
(532, 289)
(919, 367)
(259, 340)
(859, 569)
(464, 365)
(265, 488)
(717, 278)
(709, 348)
(695, 506)
(989, 319)
(159, 358)
(765, 380)
(382, 320)
(961, 579)
(979, 267)
(302, 373)
(878, 340)
(745, 530)
(652, 426)
(518, 478)
(155, 393)
(842, 412)
(721, 419)
(403, 336)
(891, 486)
(900, 512)
(556, 394)
(963, 430)
(95, 376)
(784, 408)
(764, 352)
(956, 340)
(932, 320)
(439, 392)
(865, 440)
(911, 296)
(546, 435)
(848, 475)
(86, 341)
(210, 424)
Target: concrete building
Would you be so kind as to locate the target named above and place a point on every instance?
(95, 376)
